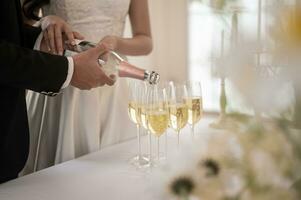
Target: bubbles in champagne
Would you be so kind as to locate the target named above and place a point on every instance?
(132, 111)
(178, 116)
(195, 108)
(158, 122)
(143, 117)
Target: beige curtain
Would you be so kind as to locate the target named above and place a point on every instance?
(169, 29)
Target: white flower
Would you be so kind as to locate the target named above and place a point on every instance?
(251, 164)
(266, 170)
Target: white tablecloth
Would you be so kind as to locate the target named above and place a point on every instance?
(105, 174)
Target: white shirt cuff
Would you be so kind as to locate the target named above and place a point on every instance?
(37, 46)
(70, 72)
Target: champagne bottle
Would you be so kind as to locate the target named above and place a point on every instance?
(116, 64)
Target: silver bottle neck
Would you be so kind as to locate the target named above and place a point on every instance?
(152, 77)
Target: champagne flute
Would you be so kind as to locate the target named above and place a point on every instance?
(157, 114)
(144, 120)
(134, 109)
(166, 86)
(177, 109)
(194, 103)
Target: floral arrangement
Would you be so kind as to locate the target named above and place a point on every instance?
(257, 163)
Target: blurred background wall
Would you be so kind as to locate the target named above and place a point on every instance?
(169, 21)
(187, 37)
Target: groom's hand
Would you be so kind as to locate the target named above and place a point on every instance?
(87, 72)
(55, 33)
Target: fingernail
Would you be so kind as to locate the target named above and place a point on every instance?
(60, 53)
(101, 62)
(73, 43)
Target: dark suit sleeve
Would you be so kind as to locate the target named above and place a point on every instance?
(29, 69)
(30, 34)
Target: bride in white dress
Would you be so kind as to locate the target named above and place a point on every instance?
(79, 122)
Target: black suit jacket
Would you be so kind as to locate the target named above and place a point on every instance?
(20, 69)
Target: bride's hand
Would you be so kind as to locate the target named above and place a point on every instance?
(56, 31)
(110, 42)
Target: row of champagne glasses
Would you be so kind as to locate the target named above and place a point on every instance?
(157, 107)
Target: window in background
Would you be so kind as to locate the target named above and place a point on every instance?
(204, 42)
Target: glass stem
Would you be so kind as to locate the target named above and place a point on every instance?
(150, 148)
(158, 148)
(139, 141)
(178, 139)
(192, 131)
(166, 145)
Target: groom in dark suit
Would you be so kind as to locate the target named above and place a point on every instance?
(22, 68)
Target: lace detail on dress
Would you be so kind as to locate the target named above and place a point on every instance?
(94, 19)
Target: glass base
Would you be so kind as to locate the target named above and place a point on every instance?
(145, 164)
(139, 161)
(155, 162)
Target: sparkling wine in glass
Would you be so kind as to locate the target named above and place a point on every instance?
(194, 103)
(167, 87)
(143, 116)
(177, 109)
(144, 109)
(134, 109)
(157, 115)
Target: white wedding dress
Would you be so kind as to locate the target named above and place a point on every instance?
(77, 122)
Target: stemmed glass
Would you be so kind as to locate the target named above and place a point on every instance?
(167, 86)
(178, 112)
(157, 114)
(136, 89)
(194, 103)
(144, 120)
